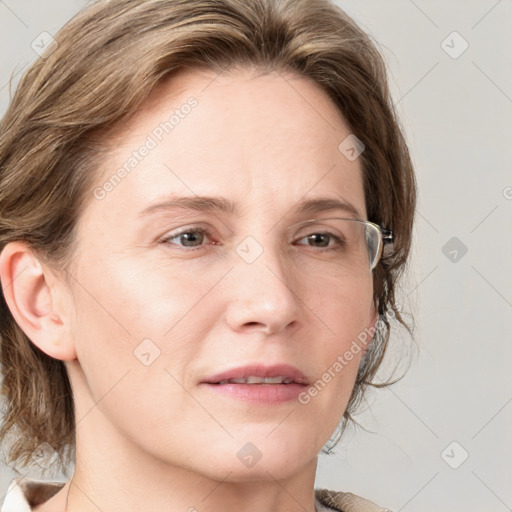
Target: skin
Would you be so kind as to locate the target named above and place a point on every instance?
(151, 437)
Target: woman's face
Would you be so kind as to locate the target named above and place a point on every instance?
(157, 314)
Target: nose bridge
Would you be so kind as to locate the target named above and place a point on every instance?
(262, 283)
(261, 259)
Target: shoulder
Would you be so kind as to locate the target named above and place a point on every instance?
(345, 502)
(25, 493)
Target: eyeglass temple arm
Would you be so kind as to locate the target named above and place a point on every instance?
(387, 236)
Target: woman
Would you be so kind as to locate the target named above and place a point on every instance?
(205, 207)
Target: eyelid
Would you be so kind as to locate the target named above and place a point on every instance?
(311, 224)
(185, 229)
(309, 221)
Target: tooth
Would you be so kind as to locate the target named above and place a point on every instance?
(273, 380)
(258, 380)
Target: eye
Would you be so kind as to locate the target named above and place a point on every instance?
(323, 239)
(190, 237)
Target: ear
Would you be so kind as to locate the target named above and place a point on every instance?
(32, 295)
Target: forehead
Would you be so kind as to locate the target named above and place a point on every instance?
(259, 139)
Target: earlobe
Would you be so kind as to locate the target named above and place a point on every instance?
(28, 293)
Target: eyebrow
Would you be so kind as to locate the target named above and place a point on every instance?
(223, 205)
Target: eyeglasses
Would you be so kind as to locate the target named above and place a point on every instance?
(351, 245)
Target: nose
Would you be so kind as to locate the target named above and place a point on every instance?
(261, 295)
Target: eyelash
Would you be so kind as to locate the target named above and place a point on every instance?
(205, 231)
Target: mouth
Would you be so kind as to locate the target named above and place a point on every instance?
(257, 383)
(260, 374)
(252, 379)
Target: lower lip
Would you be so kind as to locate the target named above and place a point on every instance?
(259, 393)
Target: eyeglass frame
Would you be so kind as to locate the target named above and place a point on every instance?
(386, 235)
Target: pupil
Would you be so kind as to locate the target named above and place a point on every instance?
(318, 236)
(189, 237)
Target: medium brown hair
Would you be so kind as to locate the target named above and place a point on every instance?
(109, 58)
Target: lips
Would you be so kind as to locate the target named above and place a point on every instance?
(253, 375)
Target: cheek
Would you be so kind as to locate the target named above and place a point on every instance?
(137, 315)
(345, 318)
(342, 312)
(130, 367)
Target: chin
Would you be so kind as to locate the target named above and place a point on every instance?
(262, 457)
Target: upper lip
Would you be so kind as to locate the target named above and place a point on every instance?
(258, 370)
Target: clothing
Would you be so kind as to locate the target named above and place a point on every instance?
(25, 493)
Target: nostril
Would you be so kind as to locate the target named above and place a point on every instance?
(251, 325)
(257, 326)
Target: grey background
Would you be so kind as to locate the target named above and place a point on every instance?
(457, 113)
